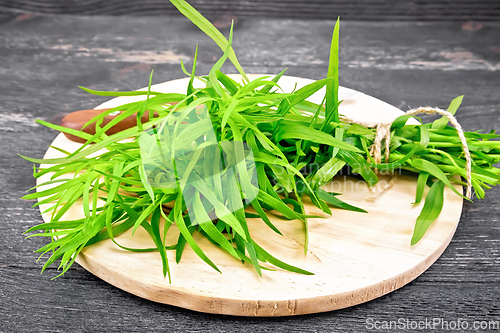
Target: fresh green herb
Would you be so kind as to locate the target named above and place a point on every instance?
(295, 146)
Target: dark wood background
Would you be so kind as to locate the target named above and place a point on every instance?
(43, 58)
(313, 9)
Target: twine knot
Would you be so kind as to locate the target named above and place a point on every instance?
(383, 135)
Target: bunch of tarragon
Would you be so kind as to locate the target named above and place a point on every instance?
(206, 155)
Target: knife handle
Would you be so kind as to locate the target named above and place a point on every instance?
(76, 120)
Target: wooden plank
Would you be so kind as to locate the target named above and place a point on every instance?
(316, 9)
(83, 303)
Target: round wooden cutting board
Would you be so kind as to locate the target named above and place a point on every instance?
(356, 257)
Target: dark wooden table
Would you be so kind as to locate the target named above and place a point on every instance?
(44, 58)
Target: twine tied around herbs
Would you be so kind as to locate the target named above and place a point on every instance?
(383, 134)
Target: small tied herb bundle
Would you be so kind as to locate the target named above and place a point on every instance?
(296, 146)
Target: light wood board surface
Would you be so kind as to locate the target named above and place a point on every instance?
(356, 257)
